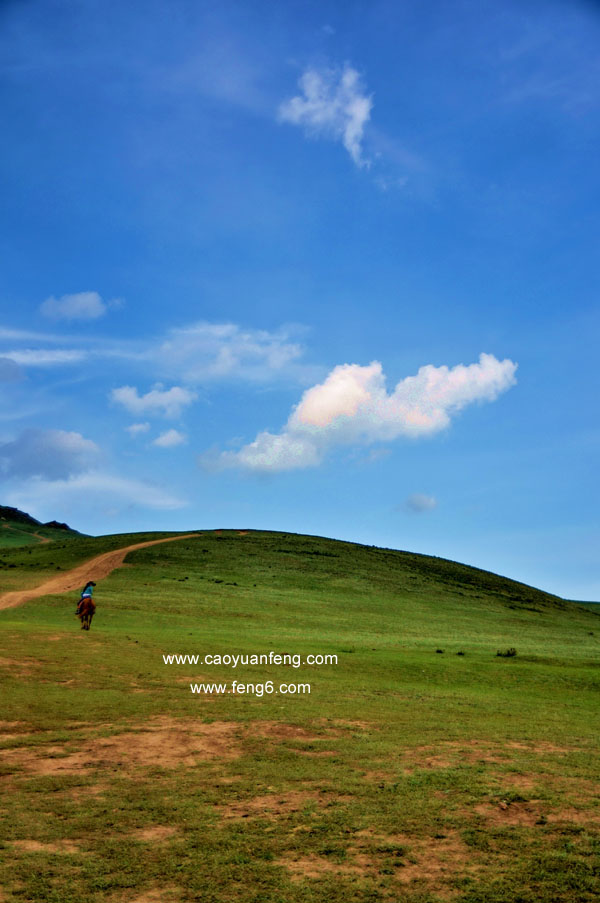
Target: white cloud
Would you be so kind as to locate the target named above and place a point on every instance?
(41, 357)
(169, 439)
(196, 353)
(49, 454)
(203, 351)
(81, 306)
(97, 490)
(352, 406)
(136, 428)
(419, 503)
(333, 105)
(168, 402)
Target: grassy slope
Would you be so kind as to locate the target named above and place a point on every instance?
(403, 754)
(19, 533)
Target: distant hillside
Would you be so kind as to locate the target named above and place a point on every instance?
(17, 528)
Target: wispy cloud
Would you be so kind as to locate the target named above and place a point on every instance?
(98, 489)
(196, 353)
(165, 402)
(221, 351)
(42, 357)
(332, 104)
(352, 406)
(137, 428)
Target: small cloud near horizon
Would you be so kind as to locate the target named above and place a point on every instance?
(418, 503)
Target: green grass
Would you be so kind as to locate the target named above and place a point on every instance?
(406, 774)
(17, 533)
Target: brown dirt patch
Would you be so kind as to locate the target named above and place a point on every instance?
(270, 805)
(22, 665)
(166, 894)
(273, 805)
(575, 816)
(438, 861)
(161, 743)
(525, 814)
(315, 867)
(98, 567)
(378, 776)
(450, 754)
(35, 846)
(157, 834)
(281, 731)
(434, 862)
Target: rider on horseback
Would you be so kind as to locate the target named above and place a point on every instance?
(86, 593)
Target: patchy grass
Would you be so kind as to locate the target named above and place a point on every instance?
(404, 775)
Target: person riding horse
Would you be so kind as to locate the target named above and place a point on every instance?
(86, 593)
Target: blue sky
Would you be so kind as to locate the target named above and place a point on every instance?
(326, 268)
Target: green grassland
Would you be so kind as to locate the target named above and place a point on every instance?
(421, 767)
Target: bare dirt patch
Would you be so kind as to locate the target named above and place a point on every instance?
(450, 754)
(163, 894)
(315, 867)
(273, 805)
(156, 834)
(281, 731)
(19, 665)
(67, 847)
(275, 730)
(161, 743)
(438, 861)
(525, 814)
(433, 862)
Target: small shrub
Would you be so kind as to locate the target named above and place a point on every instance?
(508, 653)
(441, 651)
(460, 653)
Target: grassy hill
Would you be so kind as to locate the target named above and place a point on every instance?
(419, 766)
(18, 528)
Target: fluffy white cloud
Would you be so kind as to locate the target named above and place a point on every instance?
(332, 104)
(169, 439)
(419, 503)
(81, 306)
(49, 454)
(353, 406)
(136, 428)
(168, 402)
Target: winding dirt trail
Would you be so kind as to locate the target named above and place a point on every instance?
(92, 569)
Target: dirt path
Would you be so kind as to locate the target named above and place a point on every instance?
(93, 569)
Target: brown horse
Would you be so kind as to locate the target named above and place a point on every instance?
(86, 612)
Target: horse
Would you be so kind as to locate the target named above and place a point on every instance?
(86, 612)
